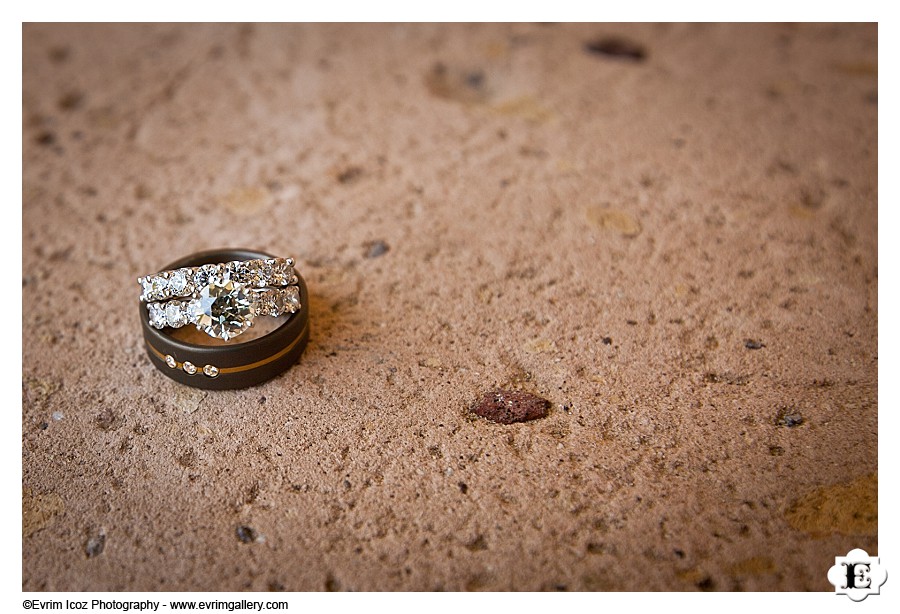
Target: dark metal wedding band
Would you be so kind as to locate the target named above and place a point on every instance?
(238, 365)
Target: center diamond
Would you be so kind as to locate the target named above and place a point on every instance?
(222, 309)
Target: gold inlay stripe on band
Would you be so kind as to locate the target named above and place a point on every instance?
(240, 368)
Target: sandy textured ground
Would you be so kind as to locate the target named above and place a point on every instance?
(671, 237)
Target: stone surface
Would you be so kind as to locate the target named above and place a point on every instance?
(603, 224)
(848, 509)
(39, 511)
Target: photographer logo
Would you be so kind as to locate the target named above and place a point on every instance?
(857, 575)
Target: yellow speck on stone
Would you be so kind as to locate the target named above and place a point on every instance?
(754, 566)
(800, 212)
(850, 508)
(566, 165)
(485, 294)
(247, 200)
(857, 68)
(693, 575)
(526, 107)
(810, 279)
(540, 345)
(431, 363)
(38, 390)
(497, 49)
(333, 276)
(39, 511)
(614, 220)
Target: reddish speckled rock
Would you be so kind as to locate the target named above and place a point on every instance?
(508, 406)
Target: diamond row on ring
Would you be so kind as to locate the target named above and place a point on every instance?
(190, 368)
(268, 302)
(182, 282)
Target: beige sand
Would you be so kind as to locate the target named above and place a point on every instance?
(614, 233)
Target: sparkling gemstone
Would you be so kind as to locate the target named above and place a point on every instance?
(279, 303)
(265, 303)
(146, 287)
(292, 298)
(251, 273)
(170, 360)
(222, 309)
(210, 371)
(209, 273)
(282, 271)
(240, 271)
(266, 273)
(159, 287)
(157, 315)
(175, 315)
(189, 368)
(179, 282)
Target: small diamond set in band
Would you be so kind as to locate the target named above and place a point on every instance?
(223, 299)
(190, 368)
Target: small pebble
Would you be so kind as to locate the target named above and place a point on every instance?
(109, 419)
(375, 249)
(507, 407)
(788, 417)
(246, 534)
(617, 47)
(95, 545)
(752, 344)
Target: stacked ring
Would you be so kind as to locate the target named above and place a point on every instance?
(222, 292)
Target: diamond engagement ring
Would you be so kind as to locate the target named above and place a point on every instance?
(221, 292)
(221, 299)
